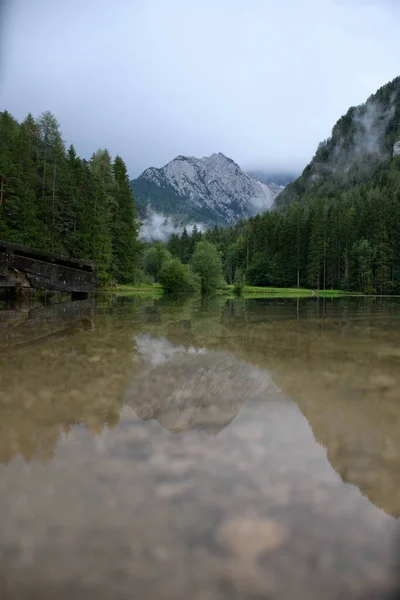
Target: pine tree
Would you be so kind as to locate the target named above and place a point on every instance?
(195, 237)
(185, 247)
(174, 246)
(33, 231)
(362, 253)
(103, 208)
(317, 247)
(125, 226)
(52, 172)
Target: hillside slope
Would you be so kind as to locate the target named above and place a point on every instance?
(362, 140)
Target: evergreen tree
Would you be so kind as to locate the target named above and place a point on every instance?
(362, 253)
(196, 236)
(185, 247)
(125, 226)
(317, 252)
(174, 246)
(102, 186)
(52, 174)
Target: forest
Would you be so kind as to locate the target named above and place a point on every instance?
(347, 238)
(54, 200)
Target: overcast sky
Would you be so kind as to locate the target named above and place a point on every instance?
(263, 81)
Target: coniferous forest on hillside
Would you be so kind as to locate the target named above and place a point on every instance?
(349, 242)
(56, 201)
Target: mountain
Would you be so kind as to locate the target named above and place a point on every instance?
(212, 190)
(363, 140)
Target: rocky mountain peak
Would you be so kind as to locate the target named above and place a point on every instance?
(212, 190)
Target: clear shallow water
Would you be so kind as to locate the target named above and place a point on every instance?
(200, 450)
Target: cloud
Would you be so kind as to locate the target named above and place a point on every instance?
(157, 226)
(372, 122)
(261, 81)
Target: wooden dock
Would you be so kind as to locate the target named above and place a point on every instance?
(24, 270)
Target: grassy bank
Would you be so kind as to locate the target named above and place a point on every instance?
(140, 289)
(155, 290)
(275, 292)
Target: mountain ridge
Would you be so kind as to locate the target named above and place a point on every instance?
(212, 190)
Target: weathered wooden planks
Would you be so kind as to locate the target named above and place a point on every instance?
(45, 256)
(22, 268)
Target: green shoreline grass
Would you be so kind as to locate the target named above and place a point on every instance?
(275, 292)
(155, 290)
(140, 289)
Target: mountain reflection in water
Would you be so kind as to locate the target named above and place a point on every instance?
(186, 451)
(191, 388)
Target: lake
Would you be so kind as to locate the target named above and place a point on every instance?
(200, 450)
